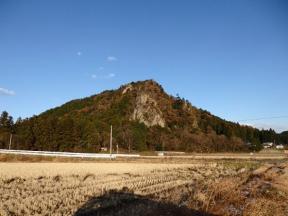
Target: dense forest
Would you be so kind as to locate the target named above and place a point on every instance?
(144, 118)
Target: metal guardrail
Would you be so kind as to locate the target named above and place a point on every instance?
(66, 154)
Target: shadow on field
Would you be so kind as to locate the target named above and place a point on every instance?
(126, 203)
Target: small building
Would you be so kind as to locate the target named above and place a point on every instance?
(268, 145)
(103, 149)
(280, 146)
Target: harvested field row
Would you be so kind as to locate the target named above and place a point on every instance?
(61, 189)
(35, 170)
(137, 189)
(262, 192)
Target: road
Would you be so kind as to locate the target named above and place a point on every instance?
(66, 154)
(220, 156)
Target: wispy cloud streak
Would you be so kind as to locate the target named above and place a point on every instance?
(112, 58)
(107, 76)
(8, 92)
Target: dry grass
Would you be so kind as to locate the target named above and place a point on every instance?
(225, 188)
(34, 170)
(61, 188)
(261, 192)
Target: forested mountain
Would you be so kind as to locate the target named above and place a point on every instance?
(143, 116)
(284, 137)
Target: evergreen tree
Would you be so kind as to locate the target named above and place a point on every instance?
(6, 121)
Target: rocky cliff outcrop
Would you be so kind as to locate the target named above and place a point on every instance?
(146, 111)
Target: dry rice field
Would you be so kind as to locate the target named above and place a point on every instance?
(99, 188)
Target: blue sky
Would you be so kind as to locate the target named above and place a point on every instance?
(228, 57)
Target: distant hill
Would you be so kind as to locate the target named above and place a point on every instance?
(284, 137)
(143, 116)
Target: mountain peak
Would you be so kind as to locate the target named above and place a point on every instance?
(142, 85)
(143, 116)
(146, 82)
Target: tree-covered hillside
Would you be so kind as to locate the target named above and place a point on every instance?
(143, 116)
(284, 137)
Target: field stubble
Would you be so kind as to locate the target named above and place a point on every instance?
(79, 188)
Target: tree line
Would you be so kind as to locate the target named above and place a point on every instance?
(78, 134)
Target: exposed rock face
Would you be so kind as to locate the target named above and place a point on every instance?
(128, 87)
(195, 124)
(147, 111)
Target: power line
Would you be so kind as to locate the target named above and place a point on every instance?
(263, 118)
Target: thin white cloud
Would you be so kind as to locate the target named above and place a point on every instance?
(112, 58)
(110, 75)
(278, 127)
(8, 92)
(107, 76)
(79, 53)
(247, 124)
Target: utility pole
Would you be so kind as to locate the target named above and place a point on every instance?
(111, 141)
(10, 142)
(163, 144)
